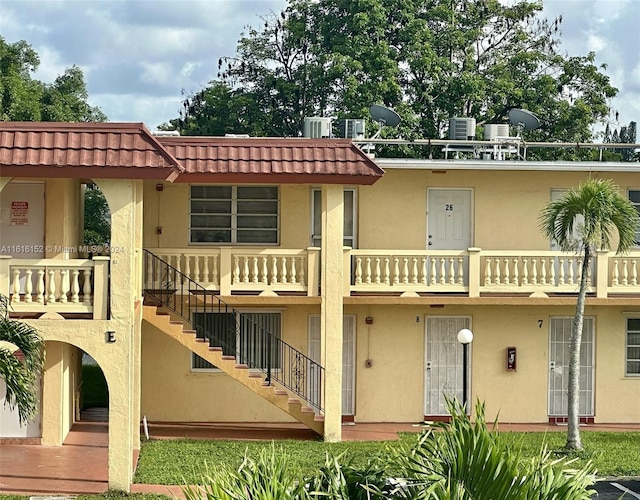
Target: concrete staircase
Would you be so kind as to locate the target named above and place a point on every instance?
(180, 330)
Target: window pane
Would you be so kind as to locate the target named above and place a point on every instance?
(633, 324)
(258, 192)
(257, 207)
(211, 221)
(633, 353)
(198, 363)
(210, 236)
(633, 339)
(348, 213)
(634, 196)
(210, 207)
(633, 367)
(248, 222)
(257, 236)
(219, 192)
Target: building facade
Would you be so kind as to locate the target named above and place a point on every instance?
(284, 280)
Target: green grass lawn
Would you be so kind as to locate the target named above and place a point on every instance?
(94, 387)
(173, 461)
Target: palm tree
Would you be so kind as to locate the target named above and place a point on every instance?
(20, 376)
(584, 221)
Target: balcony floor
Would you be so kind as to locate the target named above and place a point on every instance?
(80, 465)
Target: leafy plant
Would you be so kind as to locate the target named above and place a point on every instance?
(465, 460)
(20, 376)
(270, 477)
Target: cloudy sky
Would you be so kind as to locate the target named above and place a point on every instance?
(138, 55)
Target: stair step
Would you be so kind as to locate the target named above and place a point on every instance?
(215, 349)
(228, 358)
(319, 418)
(294, 401)
(189, 332)
(255, 375)
(280, 392)
(176, 323)
(241, 366)
(307, 409)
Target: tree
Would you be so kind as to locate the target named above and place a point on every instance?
(20, 376)
(428, 59)
(585, 220)
(24, 99)
(97, 217)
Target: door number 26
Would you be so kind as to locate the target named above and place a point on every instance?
(448, 208)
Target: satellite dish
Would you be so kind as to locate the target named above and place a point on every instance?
(523, 119)
(384, 116)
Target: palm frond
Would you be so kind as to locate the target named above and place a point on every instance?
(20, 378)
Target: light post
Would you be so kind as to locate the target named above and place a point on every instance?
(465, 336)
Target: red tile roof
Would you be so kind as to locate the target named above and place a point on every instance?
(130, 151)
(84, 150)
(273, 160)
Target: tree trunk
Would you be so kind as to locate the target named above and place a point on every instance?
(574, 442)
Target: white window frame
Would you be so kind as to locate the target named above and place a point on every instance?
(215, 369)
(234, 217)
(627, 331)
(316, 239)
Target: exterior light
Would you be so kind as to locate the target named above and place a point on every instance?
(465, 336)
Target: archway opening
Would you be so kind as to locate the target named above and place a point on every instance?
(94, 393)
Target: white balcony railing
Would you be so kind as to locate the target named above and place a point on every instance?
(235, 269)
(472, 272)
(56, 285)
(398, 270)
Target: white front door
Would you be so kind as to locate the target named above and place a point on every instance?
(443, 370)
(449, 219)
(348, 358)
(349, 228)
(559, 342)
(22, 220)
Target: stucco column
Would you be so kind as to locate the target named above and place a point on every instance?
(331, 308)
(122, 366)
(52, 397)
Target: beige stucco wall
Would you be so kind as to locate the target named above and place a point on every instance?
(212, 396)
(393, 212)
(63, 218)
(169, 209)
(60, 384)
(392, 388)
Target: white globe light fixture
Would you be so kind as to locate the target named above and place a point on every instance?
(465, 336)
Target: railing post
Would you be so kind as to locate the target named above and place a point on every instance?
(313, 271)
(225, 271)
(100, 287)
(474, 271)
(5, 277)
(268, 379)
(602, 273)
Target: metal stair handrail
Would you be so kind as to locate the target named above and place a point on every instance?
(237, 334)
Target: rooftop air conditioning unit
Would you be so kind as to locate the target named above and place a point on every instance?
(462, 129)
(317, 127)
(494, 130)
(352, 129)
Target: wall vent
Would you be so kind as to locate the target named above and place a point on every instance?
(317, 127)
(462, 129)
